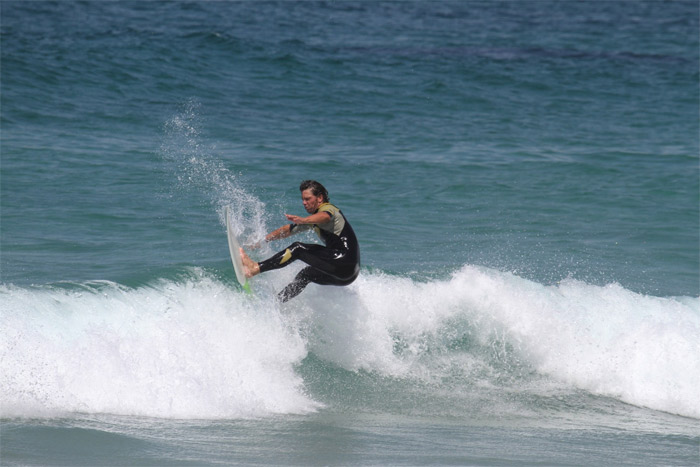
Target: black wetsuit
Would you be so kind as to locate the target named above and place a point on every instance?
(337, 263)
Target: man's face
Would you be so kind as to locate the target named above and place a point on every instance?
(310, 201)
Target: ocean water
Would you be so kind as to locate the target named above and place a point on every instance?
(523, 178)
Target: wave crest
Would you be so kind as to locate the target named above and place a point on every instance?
(197, 347)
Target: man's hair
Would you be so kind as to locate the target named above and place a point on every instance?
(316, 188)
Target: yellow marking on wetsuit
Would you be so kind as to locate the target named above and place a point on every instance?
(286, 257)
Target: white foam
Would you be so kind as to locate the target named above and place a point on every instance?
(198, 348)
(610, 341)
(194, 349)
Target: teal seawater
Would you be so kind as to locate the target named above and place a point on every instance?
(552, 139)
(523, 178)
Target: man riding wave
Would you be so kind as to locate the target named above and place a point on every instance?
(336, 263)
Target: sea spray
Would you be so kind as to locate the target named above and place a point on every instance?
(197, 170)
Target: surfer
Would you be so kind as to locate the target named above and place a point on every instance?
(336, 263)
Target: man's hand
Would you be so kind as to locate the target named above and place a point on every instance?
(294, 219)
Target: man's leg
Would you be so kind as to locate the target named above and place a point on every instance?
(295, 287)
(326, 267)
(312, 254)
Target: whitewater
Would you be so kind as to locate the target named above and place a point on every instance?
(197, 347)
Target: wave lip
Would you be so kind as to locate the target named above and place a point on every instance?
(640, 349)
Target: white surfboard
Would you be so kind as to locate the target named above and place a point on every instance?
(234, 248)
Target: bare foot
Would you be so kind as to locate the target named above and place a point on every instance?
(250, 267)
